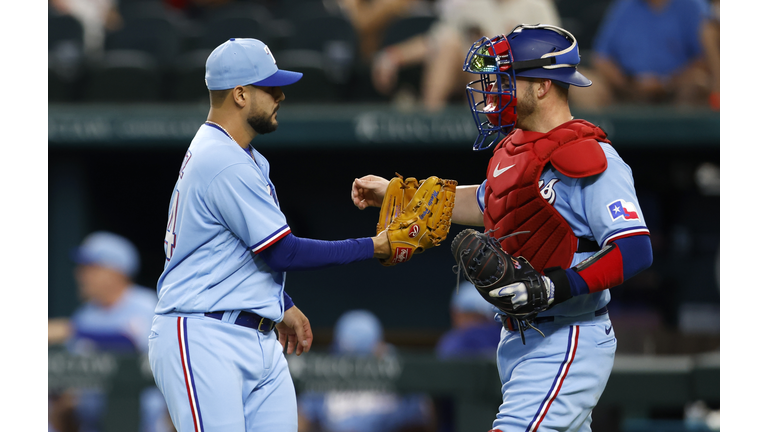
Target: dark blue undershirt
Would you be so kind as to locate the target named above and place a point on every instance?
(293, 253)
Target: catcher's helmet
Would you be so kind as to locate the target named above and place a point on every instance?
(532, 51)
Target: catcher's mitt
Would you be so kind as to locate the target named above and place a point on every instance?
(509, 283)
(416, 215)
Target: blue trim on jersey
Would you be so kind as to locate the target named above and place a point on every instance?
(294, 253)
(218, 128)
(287, 300)
(578, 285)
(636, 254)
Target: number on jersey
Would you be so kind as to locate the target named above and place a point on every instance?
(170, 230)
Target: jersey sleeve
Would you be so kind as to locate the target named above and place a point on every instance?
(611, 204)
(242, 200)
(480, 196)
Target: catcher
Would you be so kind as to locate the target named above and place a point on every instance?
(561, 224)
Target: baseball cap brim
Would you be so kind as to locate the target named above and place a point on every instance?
(567, 75)
(280, 78)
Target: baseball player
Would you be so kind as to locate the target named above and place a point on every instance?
(115, 317)
(473, 333)
(358, 333)
(559, 185)
(212, 348)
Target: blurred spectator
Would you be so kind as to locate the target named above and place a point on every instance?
(96, 16)
(710, 39)
(371, 17)
(648, 51)
(359, 333)
(196, 8)
(444, 46)
(116, 316)
(474, 332)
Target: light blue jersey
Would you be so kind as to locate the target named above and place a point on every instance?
(123, 326)
(223, 211)
(600, 208)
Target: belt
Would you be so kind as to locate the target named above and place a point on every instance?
(511, 325)
(247, 319)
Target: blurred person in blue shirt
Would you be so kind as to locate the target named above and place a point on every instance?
(359, 333)
(649, 52)
(116, 316)
(474, 331)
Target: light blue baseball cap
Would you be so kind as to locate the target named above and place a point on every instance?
(108, 250)
(357, 332)
(467, 299)
(240, 62)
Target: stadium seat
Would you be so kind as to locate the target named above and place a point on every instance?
(124, 76)
(315, 33)
(304, 9)
(188, 81)
(156, 36)
(60, 89)
(220, 30)
(315, 86)
(64, 29)
(405, 28)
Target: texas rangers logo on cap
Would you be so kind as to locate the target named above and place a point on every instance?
(622, 209)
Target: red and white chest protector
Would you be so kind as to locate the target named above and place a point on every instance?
(514, 202)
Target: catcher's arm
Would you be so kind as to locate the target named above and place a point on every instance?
(466, 211)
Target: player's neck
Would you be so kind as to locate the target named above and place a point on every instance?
(548, 118)
(232, 126)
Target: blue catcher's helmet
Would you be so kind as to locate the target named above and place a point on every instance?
(531, 51)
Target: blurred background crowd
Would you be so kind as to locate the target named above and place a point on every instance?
(402, 51)
(109, 200)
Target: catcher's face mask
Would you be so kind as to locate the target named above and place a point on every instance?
(493, 97)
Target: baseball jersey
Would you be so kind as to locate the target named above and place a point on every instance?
(223, 211)
(122, 327)
(641, 40)
(601, 208)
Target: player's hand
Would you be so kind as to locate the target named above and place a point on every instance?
(381, 247)
(295, 331)
(368, 191)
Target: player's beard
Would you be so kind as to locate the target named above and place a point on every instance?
(526, 106)
(262, 123)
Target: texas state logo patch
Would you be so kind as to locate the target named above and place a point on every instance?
(623, 209)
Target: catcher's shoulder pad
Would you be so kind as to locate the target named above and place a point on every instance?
(579, 159)
(579, 154)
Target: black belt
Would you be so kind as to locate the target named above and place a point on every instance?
(248, 319)
(511, 325)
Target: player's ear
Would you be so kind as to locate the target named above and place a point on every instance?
(545, 86)
(239, 95)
